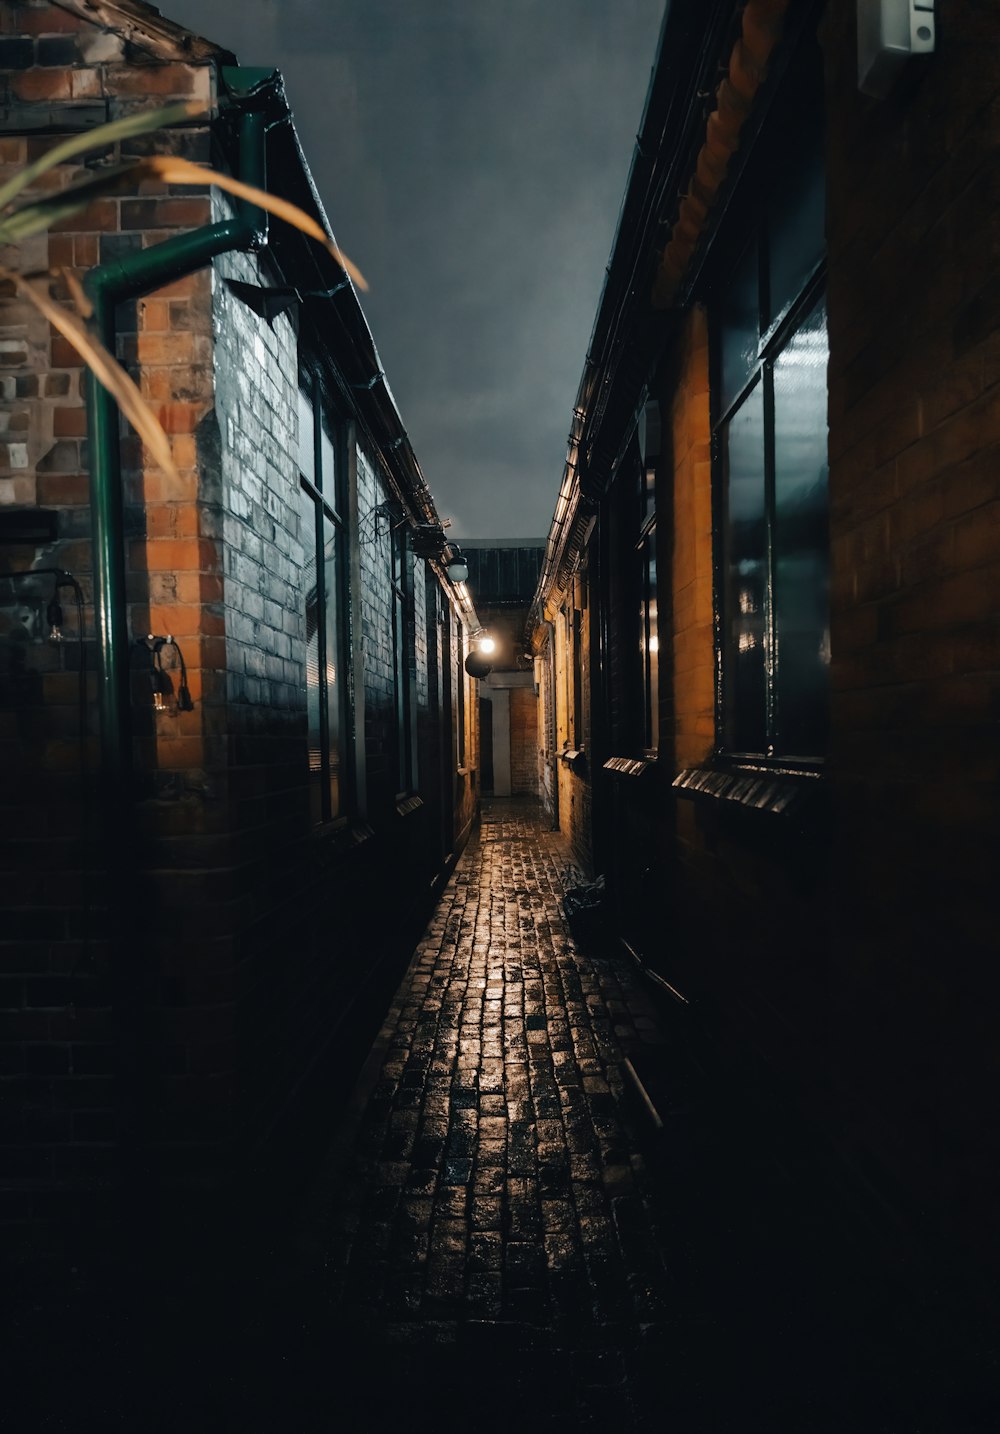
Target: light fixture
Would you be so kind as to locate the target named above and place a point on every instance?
(890, 32)
(457, 568)
(487, 645)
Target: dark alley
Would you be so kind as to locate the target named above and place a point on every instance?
(461, 968)
(498, 1233)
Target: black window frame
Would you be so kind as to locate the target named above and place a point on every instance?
(401, 581)
(329, 502)
(648, 441)
(746, 218)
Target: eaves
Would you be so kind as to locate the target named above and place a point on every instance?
(143, 25)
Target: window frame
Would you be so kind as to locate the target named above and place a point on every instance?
(746, 224)
(330, 503)
(646, 559)
(401, 583)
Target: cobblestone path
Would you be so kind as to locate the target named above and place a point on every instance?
(492, 1215)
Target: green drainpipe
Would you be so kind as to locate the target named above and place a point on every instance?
(115, 283)
(133, 980)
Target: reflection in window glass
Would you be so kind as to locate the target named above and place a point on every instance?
(650, 640)
(307, 439)
(328, 468)
(740, 331)
(334, 677)
(311, 595)
(745, 575)
(797, 221)
(801, 541)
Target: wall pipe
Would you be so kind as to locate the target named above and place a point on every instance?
(107, 286)
(115, 283)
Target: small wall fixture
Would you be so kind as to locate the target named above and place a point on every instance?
(487, 645)
(890, 32)
(457, 568)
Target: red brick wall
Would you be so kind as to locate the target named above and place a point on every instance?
(62, 1043)
(256, 931)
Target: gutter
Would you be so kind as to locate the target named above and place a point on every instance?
(111, 284)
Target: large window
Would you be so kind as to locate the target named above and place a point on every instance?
(649, 637)
(401, 646)
(770, 449)
(324, 542)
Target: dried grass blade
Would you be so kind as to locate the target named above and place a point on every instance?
(43, 213)
(83, 305)
(106, 369)
(182, 171)
(99, 138)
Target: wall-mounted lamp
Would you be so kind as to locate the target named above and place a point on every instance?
(487, 644)
(457, 568)
(890, 32)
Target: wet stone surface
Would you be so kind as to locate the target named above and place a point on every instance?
(490, 1215)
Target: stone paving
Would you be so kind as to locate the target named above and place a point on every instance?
(491, 1208)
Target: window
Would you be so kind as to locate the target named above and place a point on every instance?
(460, 697)
(324, 542)
(770, 452)
(649, 637)
(401, 627)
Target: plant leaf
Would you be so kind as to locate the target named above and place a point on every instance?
(182, 171)
(43, 213)
(99, 138)
(106, 369)
(83, 305)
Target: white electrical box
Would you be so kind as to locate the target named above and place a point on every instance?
(890, 32)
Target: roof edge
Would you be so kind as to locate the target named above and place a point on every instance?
(142, 24)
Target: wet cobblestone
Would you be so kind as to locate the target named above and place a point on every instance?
(492, 1197)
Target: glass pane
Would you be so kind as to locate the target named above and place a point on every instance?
(327, 478)
(651, 643)
(307, 453)
(335, 685)
(650, 455)
(313, 745)
(801, 540)
(745, 577)
(796, 218)
(740, 326)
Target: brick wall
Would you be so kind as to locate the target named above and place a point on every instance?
(257, 931)
(523, 742)
(914, 385)
(688, 534)
(60, 1121)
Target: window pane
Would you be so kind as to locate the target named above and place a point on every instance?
(327, 478)
(335, 687)
(745, 576)
(801, 542)
(313, 745)
(796, 219)
(650, 448)
(651, 643)
(740, 326)
(307, 454)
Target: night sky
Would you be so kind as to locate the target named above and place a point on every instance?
(472, 157)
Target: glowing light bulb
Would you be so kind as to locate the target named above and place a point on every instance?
(487, 645)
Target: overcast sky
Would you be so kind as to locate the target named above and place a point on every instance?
(472, 156)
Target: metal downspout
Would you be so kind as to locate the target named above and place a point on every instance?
(133, 977)
(107, 286)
